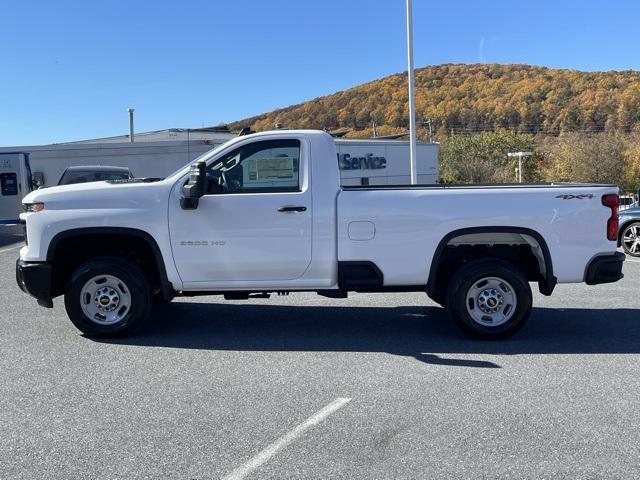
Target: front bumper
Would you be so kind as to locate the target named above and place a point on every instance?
(34, 278)
(605, 269)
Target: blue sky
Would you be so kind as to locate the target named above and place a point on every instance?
(70, 69)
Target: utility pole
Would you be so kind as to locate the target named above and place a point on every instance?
(373, 124)
(412, 113)
(427, 123)
(189, 144)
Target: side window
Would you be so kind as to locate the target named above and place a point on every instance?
(266, 166)
(9, 183)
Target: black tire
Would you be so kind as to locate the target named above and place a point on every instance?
(634, 230)
(471, 276)
(135, 284)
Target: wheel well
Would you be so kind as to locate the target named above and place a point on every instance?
(525, 250)
(67, 253)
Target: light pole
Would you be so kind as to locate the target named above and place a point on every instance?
(412, 113)
(519, 156)
(131, 110)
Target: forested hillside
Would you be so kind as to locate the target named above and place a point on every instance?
(475, 98)
(582, 126)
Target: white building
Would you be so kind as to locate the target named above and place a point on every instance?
(158, 153)
(152, 154)
(211, 134)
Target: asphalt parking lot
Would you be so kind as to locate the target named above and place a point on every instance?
(377, 386)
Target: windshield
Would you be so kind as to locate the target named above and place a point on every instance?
(204, 156)
(87, 176)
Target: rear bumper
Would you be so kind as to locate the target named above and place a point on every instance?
(34, 278)
(605, 269)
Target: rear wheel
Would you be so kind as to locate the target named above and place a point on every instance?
(489, 298)
(108, 297)
(630, 239)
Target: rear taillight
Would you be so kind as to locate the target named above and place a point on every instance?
(613, 202)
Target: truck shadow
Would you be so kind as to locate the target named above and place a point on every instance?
(424, 333)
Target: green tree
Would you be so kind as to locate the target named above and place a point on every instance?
(483, 158)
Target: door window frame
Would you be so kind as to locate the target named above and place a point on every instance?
(303, 166)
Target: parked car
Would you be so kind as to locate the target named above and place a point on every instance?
(626, 201)
(629, 233)
(265, 213)
(93, 173)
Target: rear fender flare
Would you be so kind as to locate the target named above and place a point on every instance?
(546, 286)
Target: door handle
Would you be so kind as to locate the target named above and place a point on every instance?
(292, 209)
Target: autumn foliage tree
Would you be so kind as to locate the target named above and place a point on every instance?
(597, 158)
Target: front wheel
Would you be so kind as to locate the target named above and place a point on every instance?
(630, 239)
(489, 298)
(108, 297)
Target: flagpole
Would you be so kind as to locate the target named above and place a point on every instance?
(412, 113)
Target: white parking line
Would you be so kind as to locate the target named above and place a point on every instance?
(632, 261)
(15, 247)
(262, 457)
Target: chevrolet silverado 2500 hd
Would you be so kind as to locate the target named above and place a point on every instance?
(264, 213)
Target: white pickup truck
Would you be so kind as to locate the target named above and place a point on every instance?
(264, 214)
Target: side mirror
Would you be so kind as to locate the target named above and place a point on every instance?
(37, 180)
(195, 187)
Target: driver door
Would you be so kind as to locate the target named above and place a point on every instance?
(254, 222)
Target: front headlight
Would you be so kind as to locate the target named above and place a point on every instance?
(33, 207)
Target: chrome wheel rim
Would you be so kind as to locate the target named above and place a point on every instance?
(631, 239)
(491, 301)
(105, 299)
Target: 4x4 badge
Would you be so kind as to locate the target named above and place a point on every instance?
(580, 196)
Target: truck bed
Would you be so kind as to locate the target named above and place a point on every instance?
(399, 227)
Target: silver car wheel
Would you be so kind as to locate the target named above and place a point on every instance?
(631, 239)
(491, 301)
(105, 299)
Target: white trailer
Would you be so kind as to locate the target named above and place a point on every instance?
(384, 162)
(15, 183)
